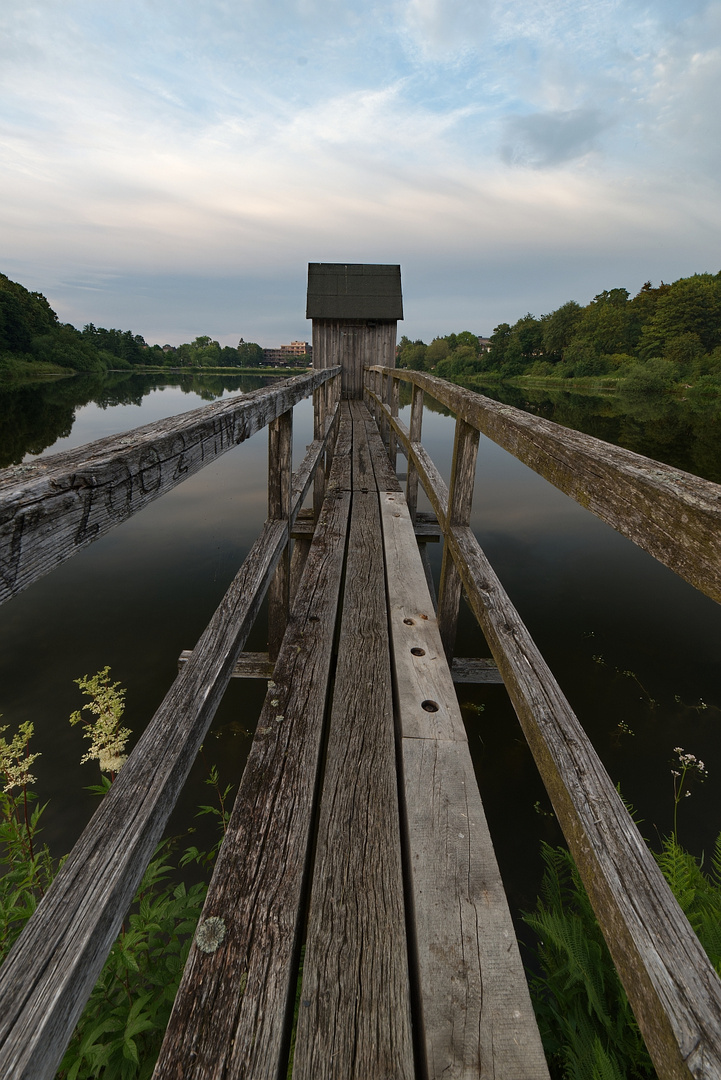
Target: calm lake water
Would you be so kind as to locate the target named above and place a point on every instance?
(635, 649)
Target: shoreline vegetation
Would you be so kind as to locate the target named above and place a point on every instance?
(664, 340)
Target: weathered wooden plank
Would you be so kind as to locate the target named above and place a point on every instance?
(673, 989)
(280, 466)
(414, 435)
(476, 1015)
(249, 665)
(421, 670)
(233, 1010)
(385, 476)
(355, 1017)
(341, 478)
(54, 507)
(672, 514)
(426, 524)
(433, 482)
(460, 499)
(47, 977)
(363, 474)
(465, 669)
(301, 547)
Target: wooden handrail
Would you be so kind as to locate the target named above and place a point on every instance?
(54, 507)
(53, 966)
(672, 514)
(671, 985)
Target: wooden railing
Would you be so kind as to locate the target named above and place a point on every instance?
(50, 510)
(673, 989)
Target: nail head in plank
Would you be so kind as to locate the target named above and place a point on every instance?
(420, 678)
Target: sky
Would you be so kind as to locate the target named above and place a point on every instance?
(171, 167)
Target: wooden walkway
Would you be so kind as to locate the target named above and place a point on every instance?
(357, 880)
(411, 965)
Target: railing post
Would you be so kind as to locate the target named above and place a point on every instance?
(393, 399)
(415, 437)
(460, 498)
(319, 414)
(384, 396)
(280, 465)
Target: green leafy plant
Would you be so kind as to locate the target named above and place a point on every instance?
(585, 1020)
(121, 1029)
(26, 865)
(120, 1032)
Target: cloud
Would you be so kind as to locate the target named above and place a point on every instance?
(543, 140)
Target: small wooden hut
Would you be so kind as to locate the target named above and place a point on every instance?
(355, 308)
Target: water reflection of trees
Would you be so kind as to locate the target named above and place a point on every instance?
(34, 415)
(680, 432)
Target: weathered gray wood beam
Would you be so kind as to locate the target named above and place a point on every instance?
(249, 665)
(672, 514)
(234, 1008)
(54, 507)
(52, 968)
(465, 669)
(672, 987)
(476, 1018)
(355, 1019)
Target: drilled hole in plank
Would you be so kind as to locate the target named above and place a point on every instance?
(409, 622)
(418, 652)
(430, 706)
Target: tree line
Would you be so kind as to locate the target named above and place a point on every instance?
(32, 334)
(659, 337)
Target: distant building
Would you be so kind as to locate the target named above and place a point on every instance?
(485, 343)
(289, 355)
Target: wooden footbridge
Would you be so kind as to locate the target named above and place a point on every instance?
(358, 831)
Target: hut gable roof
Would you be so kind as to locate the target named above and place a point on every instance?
(354, 291)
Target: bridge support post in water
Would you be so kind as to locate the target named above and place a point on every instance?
(460, 499)
(280, 468)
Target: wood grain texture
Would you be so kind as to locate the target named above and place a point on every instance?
(460, 500)
(354, 344)
(673, 989)
(363, 474)
(232, 1015)
(53, 966)
(672, 514)
(414, 434)
(280, 469)
(481, 670)
(249, 665)
(53, 508)
(385, 476)
(341, 477)
(477, 1019)
(51, 970)
(354, 1019)
(421, 676)
(477, 1016)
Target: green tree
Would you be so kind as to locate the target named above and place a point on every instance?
(559, 328)
(249, 354)
(690, 306)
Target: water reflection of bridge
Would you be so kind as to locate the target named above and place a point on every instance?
(358, 830)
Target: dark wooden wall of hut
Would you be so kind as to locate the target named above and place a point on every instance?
(355, 344)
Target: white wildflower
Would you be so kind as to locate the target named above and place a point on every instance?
(107, 738)
(16, 759)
